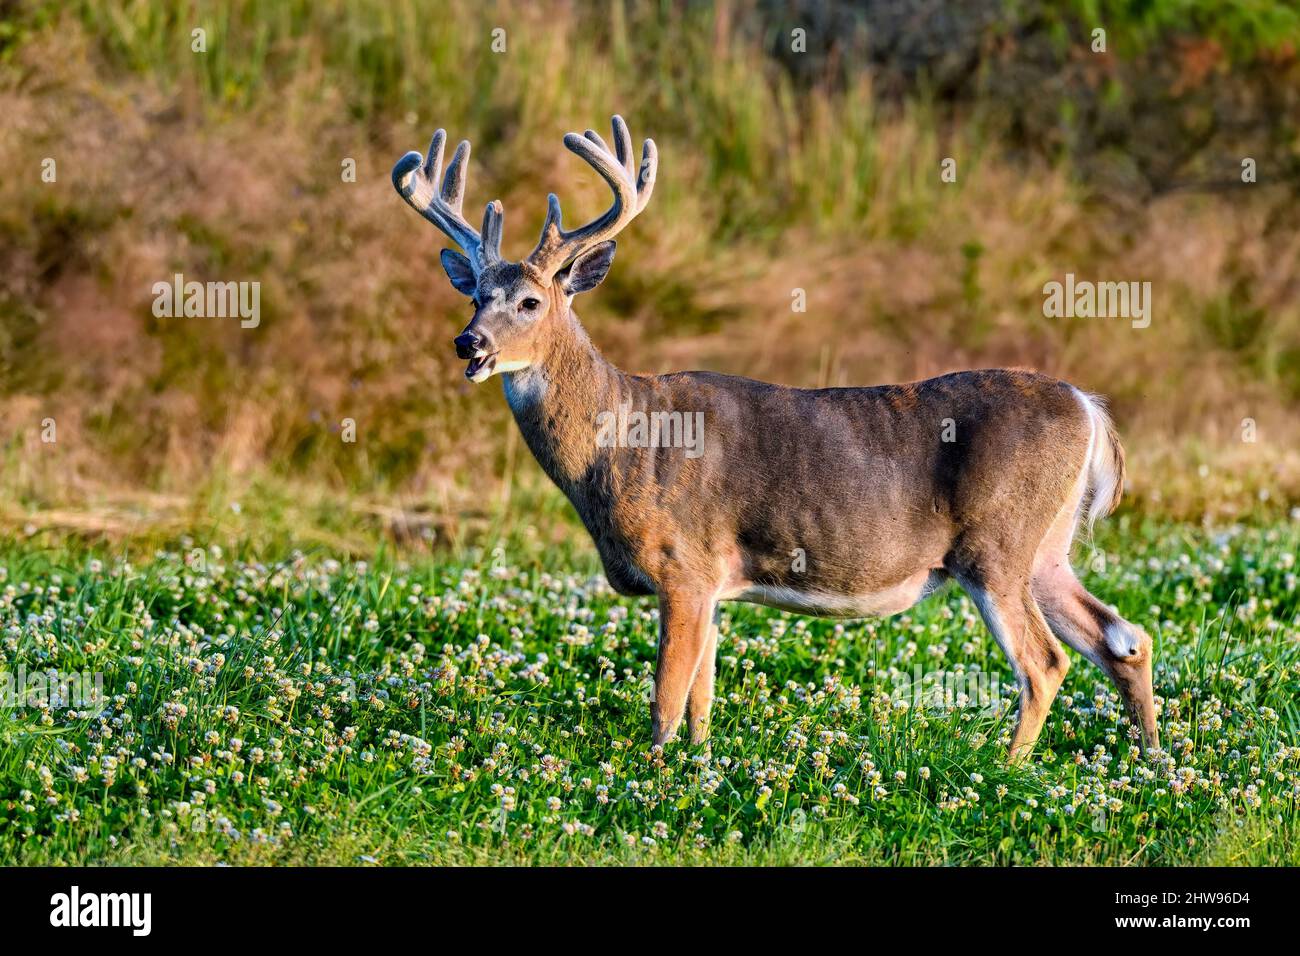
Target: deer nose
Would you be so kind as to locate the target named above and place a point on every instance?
(468, 343)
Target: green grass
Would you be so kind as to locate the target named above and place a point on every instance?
(493, 710)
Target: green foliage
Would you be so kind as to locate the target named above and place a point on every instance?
(493, 710)
(1245, 28)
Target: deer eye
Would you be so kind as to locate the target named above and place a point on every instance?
(529, 304)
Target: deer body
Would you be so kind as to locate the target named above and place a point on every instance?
(843, 502)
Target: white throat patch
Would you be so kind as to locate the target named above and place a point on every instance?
(524, 387)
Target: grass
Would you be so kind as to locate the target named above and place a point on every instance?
(780, 173)
(688, 73)
(442, 704)
(493, 710)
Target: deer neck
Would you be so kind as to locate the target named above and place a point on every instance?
(557, 399)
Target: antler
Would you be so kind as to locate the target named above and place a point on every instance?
(632, 189)
(416, 177)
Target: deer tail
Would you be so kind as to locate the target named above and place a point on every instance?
(1105, 465)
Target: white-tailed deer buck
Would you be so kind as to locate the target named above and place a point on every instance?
(840, 502)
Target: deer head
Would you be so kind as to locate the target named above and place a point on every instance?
(518, 305)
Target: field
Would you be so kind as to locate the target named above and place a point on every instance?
(336, 611)
(494, 710)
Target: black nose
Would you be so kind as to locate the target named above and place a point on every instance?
(467, 343)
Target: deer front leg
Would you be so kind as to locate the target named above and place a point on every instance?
(701, 697)
(684, 628)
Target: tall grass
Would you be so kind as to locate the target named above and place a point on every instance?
(225, 164)
(767, 153)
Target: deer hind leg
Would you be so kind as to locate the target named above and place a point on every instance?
(685, 626)
(1121, 649)
(1037, 658)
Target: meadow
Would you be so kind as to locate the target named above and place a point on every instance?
(397, 648)
(493, 710)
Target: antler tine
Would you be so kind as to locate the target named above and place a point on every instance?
(623, 146)
(649, 169)
(631, 190)
(493, 225)
(453, 184)
(415, 178)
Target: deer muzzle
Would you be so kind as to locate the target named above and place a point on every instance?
(478, 351)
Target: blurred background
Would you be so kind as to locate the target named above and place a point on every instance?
(802, 144)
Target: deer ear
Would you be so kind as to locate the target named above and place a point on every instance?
(460, 272)
(585, 272)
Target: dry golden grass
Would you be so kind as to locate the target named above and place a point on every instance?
(905, 277)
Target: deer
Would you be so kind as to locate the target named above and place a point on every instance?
(880, 494)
